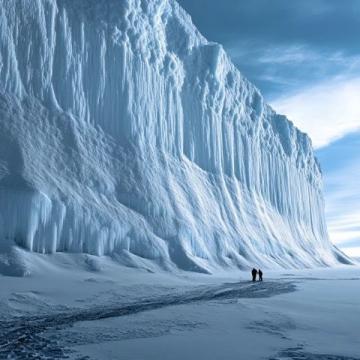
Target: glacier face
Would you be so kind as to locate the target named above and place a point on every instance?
(124, 132)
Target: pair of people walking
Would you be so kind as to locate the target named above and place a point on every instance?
(255, 272)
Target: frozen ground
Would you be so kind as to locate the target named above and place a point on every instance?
(77, 307)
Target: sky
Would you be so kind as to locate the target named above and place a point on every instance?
(304, 56)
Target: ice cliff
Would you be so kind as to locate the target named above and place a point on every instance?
(124, 132)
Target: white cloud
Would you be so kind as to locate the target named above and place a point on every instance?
(343, 205)
(326, 111)
(353, 252)
(343, 226)
(288, 54)
(344, 230)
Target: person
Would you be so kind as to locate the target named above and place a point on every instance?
(253, 273)
(260, 275)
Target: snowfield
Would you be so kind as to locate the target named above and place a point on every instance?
(65, 311)
(125, 133)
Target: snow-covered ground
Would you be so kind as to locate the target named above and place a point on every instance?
(84, 307)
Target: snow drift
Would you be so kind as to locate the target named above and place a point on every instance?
(124, 132)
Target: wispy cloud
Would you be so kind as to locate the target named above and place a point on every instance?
(343, 209)
(326, 111)
(353, 252)
(288, 54)
(297, 54)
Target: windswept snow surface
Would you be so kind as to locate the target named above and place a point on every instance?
(124, 132)
(64, 312)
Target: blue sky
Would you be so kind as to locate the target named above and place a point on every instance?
(304, 56)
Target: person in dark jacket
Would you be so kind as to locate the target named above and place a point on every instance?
(253, 273)
(260, 275)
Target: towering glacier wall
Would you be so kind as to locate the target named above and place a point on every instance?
(124, 132)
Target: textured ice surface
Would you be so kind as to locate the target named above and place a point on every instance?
(125, 132)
